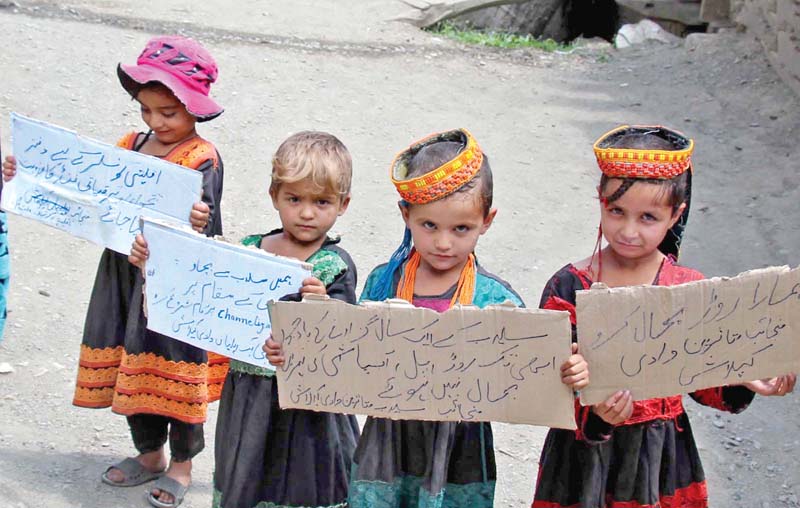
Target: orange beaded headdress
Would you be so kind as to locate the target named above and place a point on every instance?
(445, 179)
(639, 163)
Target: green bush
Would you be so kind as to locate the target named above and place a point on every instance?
(496, 39)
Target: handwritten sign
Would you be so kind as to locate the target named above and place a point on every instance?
(660, 341)
(396, 361)
(90, 189)
(213, 294)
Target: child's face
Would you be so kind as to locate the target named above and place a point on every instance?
(306, 212)
(446, 231)
(635, 224)
(165, 115)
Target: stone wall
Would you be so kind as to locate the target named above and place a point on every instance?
(540, 18)
(776, 23)
(561, 20)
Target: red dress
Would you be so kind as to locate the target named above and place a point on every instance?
(651, 459)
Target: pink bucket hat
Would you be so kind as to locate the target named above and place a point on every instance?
(182, 65)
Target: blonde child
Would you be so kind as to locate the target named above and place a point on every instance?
(624, 453)
(420, 463)
(163, 386)
(267, 456)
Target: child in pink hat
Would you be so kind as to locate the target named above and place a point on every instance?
(163, 386)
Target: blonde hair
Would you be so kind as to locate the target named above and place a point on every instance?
(316, 156)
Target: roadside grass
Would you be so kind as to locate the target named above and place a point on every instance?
(497, 39)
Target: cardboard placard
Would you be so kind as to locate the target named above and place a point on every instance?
(90, 189)
(660, 341)
(213, 294)
(397, 361)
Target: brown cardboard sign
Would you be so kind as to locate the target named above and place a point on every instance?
(393, 360)
(660, 341)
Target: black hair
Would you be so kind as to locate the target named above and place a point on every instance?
(435, 155)
(676, 189)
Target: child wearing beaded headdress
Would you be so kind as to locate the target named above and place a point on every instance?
(625, 453)
(445, 184)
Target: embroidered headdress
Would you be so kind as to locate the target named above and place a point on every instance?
(638, 163)
(441, 181)
(433, 185)
(650, 164)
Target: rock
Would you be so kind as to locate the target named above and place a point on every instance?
(696, 41)
(6, 368)
(719, 424)
(593, 43)
(44, 292)
(645, 30)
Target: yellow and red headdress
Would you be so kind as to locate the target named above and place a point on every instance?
(643, 163)
(445, 179)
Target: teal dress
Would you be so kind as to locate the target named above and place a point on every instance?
(423, 464)
(5, 266)
(5, 270)
(268, 457)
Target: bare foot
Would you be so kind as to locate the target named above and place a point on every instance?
(152, 461)
(178, 471)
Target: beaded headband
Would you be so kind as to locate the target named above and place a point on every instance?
(445, 179)
(639, 163)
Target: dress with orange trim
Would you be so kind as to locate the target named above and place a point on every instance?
(651, 459)
(122, 366)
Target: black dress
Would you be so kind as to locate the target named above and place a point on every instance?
(266, 456)
(651, 459)
(126, 366)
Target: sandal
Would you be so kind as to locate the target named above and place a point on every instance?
(172, 487)
(135, 474)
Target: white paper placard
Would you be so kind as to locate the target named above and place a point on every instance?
(213, 294)
(90, 189)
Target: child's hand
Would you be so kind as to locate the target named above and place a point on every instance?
(9, 168)
(139, 252)
(615, 409)
(274, 352)
(199, 216)
(779, 386)
(575, 371)
(313, 286)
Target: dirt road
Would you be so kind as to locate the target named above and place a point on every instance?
(339, 66)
